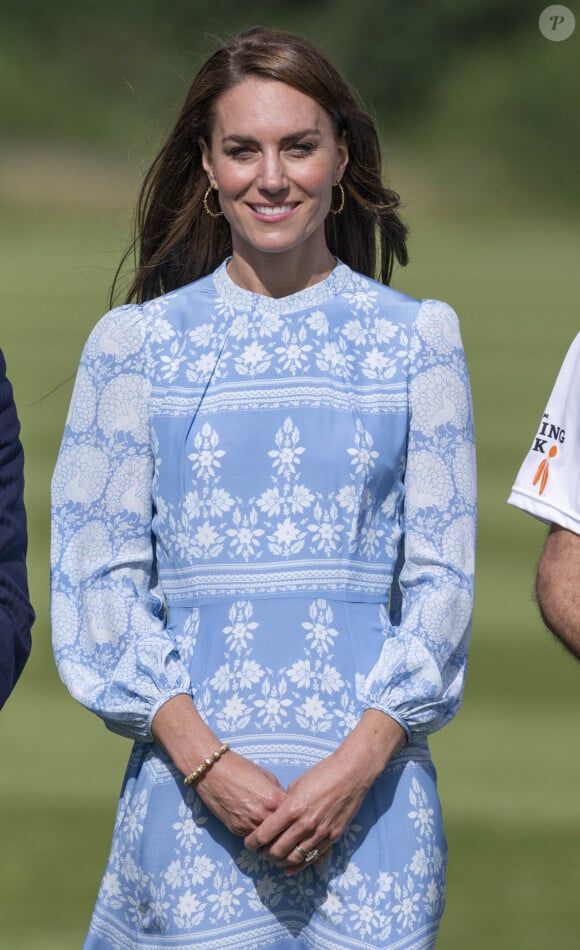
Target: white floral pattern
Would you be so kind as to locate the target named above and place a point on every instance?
(237, 482)
(340, 903)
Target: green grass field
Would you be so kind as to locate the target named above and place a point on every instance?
(509, 766)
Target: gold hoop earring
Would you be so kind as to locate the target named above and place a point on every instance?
(206, 206)
(341, 205)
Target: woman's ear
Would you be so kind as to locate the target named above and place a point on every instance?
(342, 157)
(206, 161)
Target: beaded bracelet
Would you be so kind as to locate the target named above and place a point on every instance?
(206, 764)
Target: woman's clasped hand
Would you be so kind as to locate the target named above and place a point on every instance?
(322, 802)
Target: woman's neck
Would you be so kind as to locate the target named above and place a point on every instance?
(279, 275)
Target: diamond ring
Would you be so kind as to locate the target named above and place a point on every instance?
(308, 856)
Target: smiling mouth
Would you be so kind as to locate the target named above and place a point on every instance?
(271, 211)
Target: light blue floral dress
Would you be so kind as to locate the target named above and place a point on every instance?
(269, 504)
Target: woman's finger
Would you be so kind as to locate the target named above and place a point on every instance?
(315, 857)
(266, 835)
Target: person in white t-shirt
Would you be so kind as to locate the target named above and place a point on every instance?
(548, 487)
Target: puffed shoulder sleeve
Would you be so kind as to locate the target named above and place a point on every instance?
(108, 612)
(419, 677)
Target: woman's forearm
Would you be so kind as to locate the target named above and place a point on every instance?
(372, 743)
(184, 735)
(240, 793)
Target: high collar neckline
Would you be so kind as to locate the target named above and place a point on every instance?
(315, 295)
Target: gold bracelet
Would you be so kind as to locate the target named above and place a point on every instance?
(207, 764)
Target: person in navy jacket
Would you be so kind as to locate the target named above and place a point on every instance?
(16, 613)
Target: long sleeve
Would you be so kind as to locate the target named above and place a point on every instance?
(418, 679)
(108, 612)
(16, 614)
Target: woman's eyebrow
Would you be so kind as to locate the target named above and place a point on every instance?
(291, 137)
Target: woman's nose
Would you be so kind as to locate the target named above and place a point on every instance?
(272, 175)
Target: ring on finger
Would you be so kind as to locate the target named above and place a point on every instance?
(308, 856)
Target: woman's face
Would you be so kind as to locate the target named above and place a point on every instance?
(274, 158)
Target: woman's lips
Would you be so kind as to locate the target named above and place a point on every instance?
(274, 213)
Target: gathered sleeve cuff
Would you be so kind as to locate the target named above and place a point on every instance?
(110, 639)
(418, 679)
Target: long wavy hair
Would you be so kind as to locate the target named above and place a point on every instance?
(176, 241)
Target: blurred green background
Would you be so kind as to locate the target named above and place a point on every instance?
(480, 121)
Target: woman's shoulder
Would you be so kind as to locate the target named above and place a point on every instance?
(127, 327)
(361, 288)
(119, 332)
(437, 326)
(364, 292)
(175, 308)
(429, 321)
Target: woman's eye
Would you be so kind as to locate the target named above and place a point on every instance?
(302, 148)
(238, 151)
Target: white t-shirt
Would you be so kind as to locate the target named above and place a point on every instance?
(548, 483)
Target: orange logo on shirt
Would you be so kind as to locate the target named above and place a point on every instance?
(541, 475)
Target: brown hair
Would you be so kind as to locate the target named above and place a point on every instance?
(177, 242)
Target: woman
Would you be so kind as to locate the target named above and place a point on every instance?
(263, 532)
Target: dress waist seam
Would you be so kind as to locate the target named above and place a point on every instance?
(192, 601)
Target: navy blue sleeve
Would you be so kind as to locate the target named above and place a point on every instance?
(16, 614)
